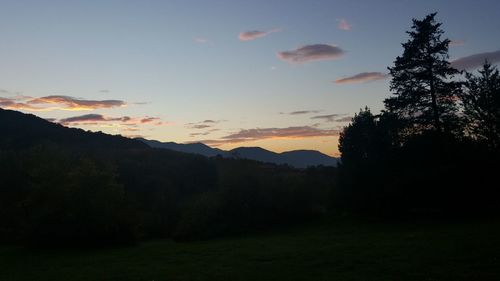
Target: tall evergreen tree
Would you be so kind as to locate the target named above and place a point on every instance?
(481, 103)
(424, 95)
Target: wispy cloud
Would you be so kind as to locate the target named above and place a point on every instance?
(301, 112)
(72, 103)
(15, 104)
(362, 78)
(150, 120)
(94, 119)
(208, 123)
(454, 43)
(315, 52)
(476, 60)
(203, 40)
(49, 103)
(343, 25)
(329, 117)
(333, 117)
(254, 34)
(344, 119)
(201, 126)
(298, 132)
(91, 118)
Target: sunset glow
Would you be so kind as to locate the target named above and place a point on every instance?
(287, 79)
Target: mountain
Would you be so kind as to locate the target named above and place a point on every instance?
(296, 158)
(19, 130)
(305, 158)
(196, 148)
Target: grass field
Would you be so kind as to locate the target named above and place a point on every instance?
(338, 250)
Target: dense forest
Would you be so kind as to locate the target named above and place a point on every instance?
(435, 147)
(433, 150)
(62, 186)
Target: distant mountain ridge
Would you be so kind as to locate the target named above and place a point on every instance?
(21, 130)
(295, 158)
(196, 148)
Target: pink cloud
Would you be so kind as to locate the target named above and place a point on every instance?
(344, 25)
(71, 103)
(476, 60)
(55, 102)
(254, 34)
(362, 78)
(202, 40)
(93, 119)
(315, 52)
(297, 132)
(454, 43)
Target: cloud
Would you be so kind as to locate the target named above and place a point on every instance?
(329, 117)
(476, 60)
(344, 119)
(132, 136)
(93, 119)
(13, 103)
(208, 123)
(201, 126)
(72, 103)
(362, 78)
(203, 133)
(454, 43)
(333, 117)
(343, 25)
(254, 34)
(298, 132)
(202, 40)
(300, 112)
(315, 52)
(149, 119)
(49, 103)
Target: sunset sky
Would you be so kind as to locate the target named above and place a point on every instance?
(282, 75)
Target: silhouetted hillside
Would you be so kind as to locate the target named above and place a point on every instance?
(196, 148)
(295, 158)
(65, 186)
(306, 158)
(21, 130)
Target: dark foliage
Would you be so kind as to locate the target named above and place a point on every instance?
(68, 187)
(424, 95)
(413, 159)
(481, 103)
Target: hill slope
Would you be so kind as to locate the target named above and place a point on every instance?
(295, 158)
(196, 148)
(21, 130)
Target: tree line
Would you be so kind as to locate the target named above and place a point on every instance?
(434, 149)
(435, 146)
(68, 187)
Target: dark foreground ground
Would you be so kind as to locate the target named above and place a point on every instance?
(338, 250)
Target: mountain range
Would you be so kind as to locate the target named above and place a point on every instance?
(24, 130)
(295, 158)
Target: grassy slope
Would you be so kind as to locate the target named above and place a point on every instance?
(335, 251)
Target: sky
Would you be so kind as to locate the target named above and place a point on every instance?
(282, 75)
